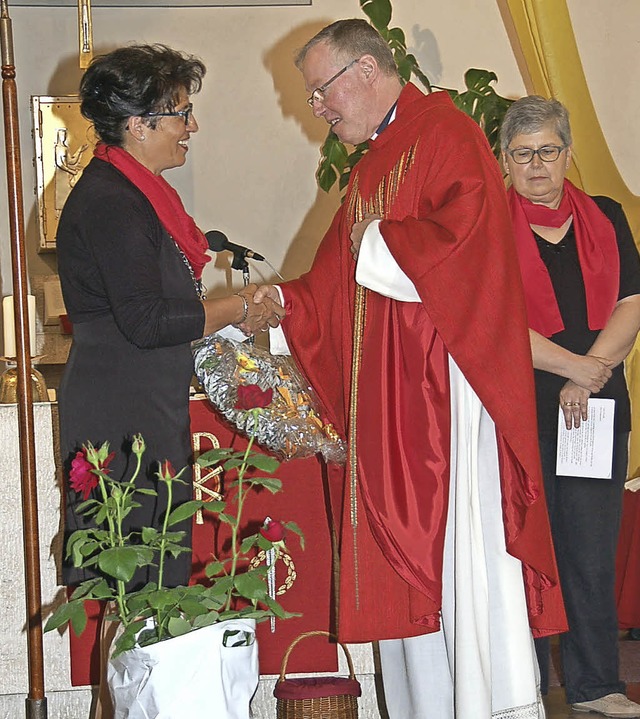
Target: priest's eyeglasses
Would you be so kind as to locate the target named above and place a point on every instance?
(524, 155)
(187, 113)
(318, 94)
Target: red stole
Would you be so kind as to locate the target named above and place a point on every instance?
(597, 252)
(165, 201)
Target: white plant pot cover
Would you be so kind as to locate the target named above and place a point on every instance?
(186, 677)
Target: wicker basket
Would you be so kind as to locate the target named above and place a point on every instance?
(317, 697)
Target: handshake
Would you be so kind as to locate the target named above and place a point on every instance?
(263, 308)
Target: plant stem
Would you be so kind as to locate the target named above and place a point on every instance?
(163, 542)
(115, 536)
(241, 497)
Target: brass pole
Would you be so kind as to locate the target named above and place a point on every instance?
(36, 702)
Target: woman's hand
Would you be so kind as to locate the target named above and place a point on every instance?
(574, 404)
(357, 232)
(263, 311)
(590, 372)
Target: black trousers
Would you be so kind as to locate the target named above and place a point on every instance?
(585, 523)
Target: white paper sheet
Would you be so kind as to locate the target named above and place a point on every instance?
(588, 450)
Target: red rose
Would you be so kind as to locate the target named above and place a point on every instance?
(81, 476)
(166, 470)
(272, 530)
(250, 396)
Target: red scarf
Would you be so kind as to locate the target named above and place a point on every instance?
(597, 253)
(165, 201)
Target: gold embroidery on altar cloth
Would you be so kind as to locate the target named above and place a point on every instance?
(202, 475)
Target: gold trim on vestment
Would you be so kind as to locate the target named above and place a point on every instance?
(379, 204)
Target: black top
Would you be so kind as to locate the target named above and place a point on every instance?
(563, 265)
(134, 310)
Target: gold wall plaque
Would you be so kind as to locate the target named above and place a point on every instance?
(64, 142)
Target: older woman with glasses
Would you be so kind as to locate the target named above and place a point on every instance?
(581, 276)
(130, 261)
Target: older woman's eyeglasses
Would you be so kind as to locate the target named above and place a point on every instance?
(187, 113)
(524, 155)
(318, 94)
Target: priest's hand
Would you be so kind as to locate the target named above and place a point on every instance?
(358, 230)
(264, 309)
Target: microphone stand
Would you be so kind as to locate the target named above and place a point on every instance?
(240, 263)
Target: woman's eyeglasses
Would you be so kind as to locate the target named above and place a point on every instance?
(186, 113)
(524, 155)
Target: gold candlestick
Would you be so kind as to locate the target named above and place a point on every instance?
(9, 383)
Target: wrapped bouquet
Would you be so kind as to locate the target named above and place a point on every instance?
(290, 424)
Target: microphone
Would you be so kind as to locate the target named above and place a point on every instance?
(218, 241)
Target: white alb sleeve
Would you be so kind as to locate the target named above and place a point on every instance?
(377, 270)
(277, 341)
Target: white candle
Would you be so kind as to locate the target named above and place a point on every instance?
(9, 329)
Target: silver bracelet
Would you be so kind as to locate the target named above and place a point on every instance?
(245, 308)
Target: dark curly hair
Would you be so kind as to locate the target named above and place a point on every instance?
(133, 81)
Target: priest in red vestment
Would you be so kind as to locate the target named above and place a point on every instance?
(411, 327)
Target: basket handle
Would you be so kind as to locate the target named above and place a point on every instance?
(316, 633)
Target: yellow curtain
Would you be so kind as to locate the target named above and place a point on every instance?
(545, 47)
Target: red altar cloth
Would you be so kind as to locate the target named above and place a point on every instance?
(302, 501)
(628, 563)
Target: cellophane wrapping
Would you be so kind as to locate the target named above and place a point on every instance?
(291, 425)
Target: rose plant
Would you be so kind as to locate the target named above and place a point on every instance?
(235, 588)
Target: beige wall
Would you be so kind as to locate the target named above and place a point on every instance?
(609, 45)
(250, 168)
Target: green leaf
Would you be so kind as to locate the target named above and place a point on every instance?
(85, 589)
(192, 608)
(205, 620)
(264, 543)
(275, 607)
(149, 534)
(293, 527)
(263, 463)
(221, 586)
(333, 156)
(248, 542)
(68, 612)
(88, 504)
(214, 506)
(378, 11)
(214, 456)
(101, 590)
(178, 626)
(250, 586)
(397, 37)
(214, 568)
(184, 511)
(119, 562)
(273, 484)
(405, 67)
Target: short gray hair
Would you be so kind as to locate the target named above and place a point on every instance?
(532, 113)
(350, 40)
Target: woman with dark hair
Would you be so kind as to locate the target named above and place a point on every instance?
(581, 275)
(130, 261)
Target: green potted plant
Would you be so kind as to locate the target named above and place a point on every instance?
(479, 100)
(165, 632)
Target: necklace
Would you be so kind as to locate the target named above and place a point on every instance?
(201, 290)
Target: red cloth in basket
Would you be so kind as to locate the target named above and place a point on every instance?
(316, 687)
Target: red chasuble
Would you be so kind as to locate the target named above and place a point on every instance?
(432, 177)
